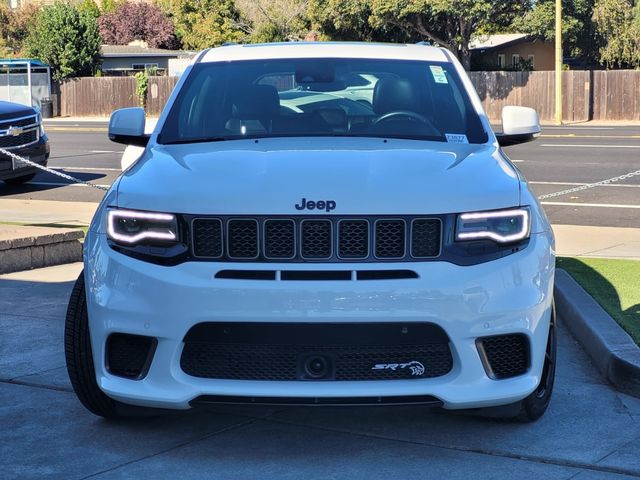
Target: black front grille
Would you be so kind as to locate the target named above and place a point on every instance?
(505, 356)
(260, 351)
(23, 122)
(129, 355)
(9, 141)
(312, 239)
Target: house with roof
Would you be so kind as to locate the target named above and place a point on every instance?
(118, 60)
(511, 51)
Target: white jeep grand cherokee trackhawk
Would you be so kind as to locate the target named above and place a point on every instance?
(282, 240)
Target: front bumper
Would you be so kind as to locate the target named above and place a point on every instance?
(509, 295)
(38, 153)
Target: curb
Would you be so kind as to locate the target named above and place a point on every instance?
(40, 250)
(611, 349)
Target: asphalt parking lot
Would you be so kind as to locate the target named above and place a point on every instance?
(589, 432)
(562, 158)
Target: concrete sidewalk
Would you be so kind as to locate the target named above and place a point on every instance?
(571, 240)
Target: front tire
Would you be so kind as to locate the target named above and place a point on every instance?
(19, 180)
(79, 357)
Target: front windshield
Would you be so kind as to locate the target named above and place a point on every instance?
(323, 97)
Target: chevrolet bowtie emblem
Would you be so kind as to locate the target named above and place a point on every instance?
(14, 131)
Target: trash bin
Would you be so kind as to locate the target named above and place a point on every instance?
(46, 108)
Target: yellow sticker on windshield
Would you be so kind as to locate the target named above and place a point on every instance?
(438, 74)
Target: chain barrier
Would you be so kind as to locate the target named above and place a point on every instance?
(18, 158)
(589, 185)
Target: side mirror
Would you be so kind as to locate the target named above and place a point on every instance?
(127, 126)
(519, 125)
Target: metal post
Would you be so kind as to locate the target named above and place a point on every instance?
(29, 83)
(558, 109)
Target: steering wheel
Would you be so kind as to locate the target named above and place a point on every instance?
(402, 113)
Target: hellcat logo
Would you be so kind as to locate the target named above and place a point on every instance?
(326, 205)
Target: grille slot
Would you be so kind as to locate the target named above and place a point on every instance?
(279, 239)
(242, 238)
(390, 238)
(207, 237)
(425, 237)
(308, 239)
(316, 239)
(504, 356)
(266, 351)
(353, 239)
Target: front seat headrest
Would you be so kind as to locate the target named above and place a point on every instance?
(393, 94)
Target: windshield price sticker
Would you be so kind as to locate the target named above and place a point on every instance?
(456, 138)
(438, 74)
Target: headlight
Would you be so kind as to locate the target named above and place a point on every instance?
(40, 123)
(132, 227)
(501, 226)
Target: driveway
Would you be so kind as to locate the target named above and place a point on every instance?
(589, 432)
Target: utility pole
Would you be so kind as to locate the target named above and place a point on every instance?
(558, 112)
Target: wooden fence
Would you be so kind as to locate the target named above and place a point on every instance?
(587, 95)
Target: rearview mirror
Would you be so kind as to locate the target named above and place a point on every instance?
(519, 125)
(127, 126)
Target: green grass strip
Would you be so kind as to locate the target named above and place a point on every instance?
(614, 284)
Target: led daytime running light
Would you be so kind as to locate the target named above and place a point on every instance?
(524, 213)
(114, 215)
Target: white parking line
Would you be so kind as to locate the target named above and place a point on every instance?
(580, 184)
(90, 169)
(60, 184)
(597, 205)
(106, 151)
(569, 127)
(587, 146)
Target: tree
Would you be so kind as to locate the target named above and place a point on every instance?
(448, 23)
(619, 32)
(89, 7)
(349, 20)
(578, 32)
(14, 27)
(202, 24)
(137, 21)
(274, 20)
(65, 39)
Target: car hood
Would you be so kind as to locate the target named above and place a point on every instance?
(9, 110)
(362, 176)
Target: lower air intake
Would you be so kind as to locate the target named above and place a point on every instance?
(129, 356)
(504, 356)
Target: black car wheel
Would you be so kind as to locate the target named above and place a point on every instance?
(79, 359)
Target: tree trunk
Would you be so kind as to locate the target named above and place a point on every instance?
(464, 55)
